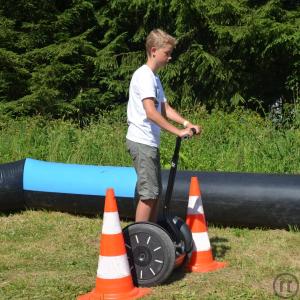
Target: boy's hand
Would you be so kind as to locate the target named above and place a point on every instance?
(185, 132)
(196, 127)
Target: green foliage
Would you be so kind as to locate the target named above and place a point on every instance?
(240, 141)
(13, 76)
(75, 58)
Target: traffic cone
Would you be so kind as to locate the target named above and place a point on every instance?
(201, 259)
(114, 281)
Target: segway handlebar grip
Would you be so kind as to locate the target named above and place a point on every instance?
(187, 136)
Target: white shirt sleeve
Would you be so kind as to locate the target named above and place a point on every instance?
(146, 86)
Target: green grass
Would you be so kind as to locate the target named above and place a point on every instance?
(52, 255)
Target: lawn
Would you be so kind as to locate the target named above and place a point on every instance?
(53, 255)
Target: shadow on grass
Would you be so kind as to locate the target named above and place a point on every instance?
(8, 213)
(219, 247)
(177, 274)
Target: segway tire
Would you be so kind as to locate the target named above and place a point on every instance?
(186, 234)
(151, 253)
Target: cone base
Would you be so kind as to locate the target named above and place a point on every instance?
(207, 267)
(135, 293)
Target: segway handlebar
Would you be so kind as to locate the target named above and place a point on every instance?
(173, 170)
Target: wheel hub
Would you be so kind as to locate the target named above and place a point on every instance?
(142, 256)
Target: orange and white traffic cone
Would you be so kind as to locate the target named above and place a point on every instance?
(202, 258)
(114, 280)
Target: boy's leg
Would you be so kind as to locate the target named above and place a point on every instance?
(146, 162)
(146, 210)
(154, 212)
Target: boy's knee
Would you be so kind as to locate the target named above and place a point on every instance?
(149, 202)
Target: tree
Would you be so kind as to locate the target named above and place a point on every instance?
(74, 58)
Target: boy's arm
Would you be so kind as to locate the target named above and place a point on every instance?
(173, 115)
(153, 115)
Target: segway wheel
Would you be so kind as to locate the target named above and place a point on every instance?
(185, 233)
(150, 252)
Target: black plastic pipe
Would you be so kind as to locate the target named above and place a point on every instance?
(229, 199)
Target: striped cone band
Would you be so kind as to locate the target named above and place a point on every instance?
(112, 267)
(201, 241)
(111, 223)
(195, 205)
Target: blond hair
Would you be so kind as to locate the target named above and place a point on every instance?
(158, 38)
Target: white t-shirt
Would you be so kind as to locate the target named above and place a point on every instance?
(144, 84)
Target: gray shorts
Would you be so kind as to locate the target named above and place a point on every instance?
(146, 161)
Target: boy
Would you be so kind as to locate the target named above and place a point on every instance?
(147, 112)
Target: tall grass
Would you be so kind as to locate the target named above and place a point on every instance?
(240, 141)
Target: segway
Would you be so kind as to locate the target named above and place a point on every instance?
(154, 250)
